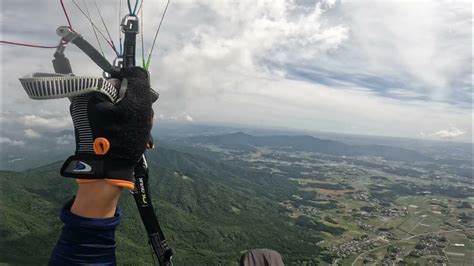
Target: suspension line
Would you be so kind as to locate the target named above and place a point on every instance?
(147, 65)
(93, 29)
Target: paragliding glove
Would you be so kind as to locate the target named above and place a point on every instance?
(111, 137)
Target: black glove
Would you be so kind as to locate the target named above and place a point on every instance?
(112, 137)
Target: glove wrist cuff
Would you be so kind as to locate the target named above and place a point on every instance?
(88, 166)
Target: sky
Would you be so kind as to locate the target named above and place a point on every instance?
(386, 68)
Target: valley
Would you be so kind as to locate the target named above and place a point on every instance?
(371, 210)
(307, 198)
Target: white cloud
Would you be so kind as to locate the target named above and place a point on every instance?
(324, 108)
(65, 139)
(8, 141)
(15, 160)
(183, 117)
(46, 122)
(230, 61)
(449, 133)
(30, 133)
(424, 44)
(242, 35)
(189, 118)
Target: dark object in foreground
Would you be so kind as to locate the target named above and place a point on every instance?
(261, 257)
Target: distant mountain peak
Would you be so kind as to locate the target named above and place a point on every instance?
(239, 133)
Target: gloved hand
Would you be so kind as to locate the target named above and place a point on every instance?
(112, 137)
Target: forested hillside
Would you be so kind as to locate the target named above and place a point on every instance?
(211, 213)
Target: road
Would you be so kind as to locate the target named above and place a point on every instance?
(416, 226)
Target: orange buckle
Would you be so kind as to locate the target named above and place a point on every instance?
(101, 146)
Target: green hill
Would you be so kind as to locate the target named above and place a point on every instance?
(210, 211)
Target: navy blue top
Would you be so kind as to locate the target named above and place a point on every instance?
(85, 241)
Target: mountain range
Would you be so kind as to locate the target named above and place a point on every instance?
(242, 141)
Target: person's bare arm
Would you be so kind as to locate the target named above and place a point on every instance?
(96, 199)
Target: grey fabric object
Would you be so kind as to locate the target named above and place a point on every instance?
(261, 257)
(43, 86)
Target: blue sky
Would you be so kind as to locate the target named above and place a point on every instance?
(392, 68)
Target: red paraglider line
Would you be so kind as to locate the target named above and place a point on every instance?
(66, 15)
(29, 45)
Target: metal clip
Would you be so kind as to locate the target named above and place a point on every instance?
(66, 33)
(130, 24)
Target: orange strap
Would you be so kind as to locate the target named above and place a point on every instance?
(115, 182)
(121, 183)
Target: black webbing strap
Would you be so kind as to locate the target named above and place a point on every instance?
(142, 197)
(141, 193)
(88, 49)
(130, 29)
(61, 64)
(93, 54)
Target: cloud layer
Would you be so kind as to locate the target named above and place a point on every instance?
(8, 141)
(384, 67)
(449, 133)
